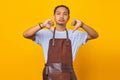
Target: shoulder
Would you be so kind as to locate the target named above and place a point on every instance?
(43, 31)
(76, 32)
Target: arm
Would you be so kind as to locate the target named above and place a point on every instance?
(92, 34)
(31, 32)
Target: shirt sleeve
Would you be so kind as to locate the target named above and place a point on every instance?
(81, 37)
(39, 37)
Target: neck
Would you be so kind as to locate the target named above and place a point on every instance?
(60, 27)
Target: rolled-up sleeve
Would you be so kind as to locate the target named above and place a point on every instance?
(81, 37)
(39, 37)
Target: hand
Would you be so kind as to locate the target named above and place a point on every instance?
(48, 23)
(77, 24)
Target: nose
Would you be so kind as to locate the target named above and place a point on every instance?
(61, 15)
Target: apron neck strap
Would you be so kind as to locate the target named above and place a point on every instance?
(54, 36)
(55, 30)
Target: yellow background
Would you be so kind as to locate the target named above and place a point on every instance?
(22, 59)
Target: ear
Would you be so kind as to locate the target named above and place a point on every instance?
(53, 18)
(68, 17)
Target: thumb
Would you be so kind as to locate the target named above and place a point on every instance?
(73, 22)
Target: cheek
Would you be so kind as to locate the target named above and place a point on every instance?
(66, 18)
(56, 17)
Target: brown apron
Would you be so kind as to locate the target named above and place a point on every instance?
(59, 64)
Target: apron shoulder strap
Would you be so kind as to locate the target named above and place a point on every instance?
(54, 35)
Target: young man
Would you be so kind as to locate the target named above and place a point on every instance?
(60, 45)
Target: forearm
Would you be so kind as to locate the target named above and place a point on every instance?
(31, 31)
(91, 32)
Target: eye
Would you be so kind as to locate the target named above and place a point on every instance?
(65, 13)
(58, 13)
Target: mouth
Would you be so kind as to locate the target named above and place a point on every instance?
(61, 20)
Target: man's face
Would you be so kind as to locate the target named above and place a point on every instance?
(61, 16)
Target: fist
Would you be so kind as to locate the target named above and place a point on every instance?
(77, 24)
(48, 23)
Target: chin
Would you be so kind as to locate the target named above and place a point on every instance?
(61, 23)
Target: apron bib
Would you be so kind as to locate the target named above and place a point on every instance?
(59, 64)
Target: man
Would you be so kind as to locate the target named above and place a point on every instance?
(60, 45)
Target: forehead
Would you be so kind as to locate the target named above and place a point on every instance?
(61, 9)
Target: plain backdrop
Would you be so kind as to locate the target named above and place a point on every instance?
(22, 59)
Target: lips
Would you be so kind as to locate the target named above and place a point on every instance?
(61, 20)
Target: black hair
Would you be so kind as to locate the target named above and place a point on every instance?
(62, 6)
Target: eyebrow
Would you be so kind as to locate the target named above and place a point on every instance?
(63, 12)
